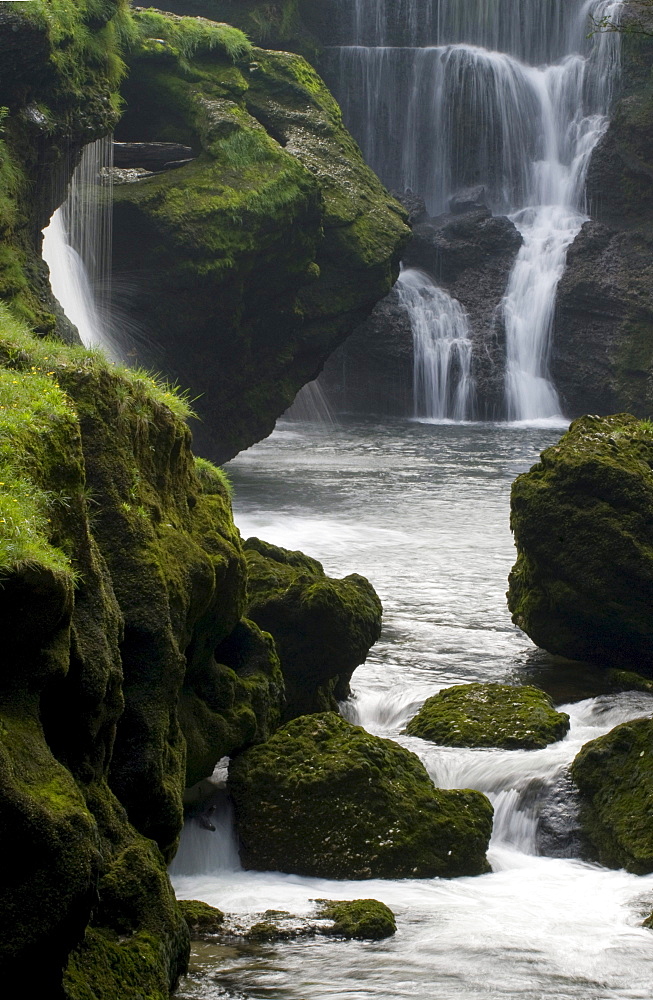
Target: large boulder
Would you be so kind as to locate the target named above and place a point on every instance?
(614, 775)
(582, 585)
(325, 798)
(322, 628)
(490, 715)
(251, 263)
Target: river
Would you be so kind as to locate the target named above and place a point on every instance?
(422, 509)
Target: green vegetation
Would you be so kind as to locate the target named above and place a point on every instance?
(490, 715)
(185, 37)
(201, 918)
(212, 477)
(365, 919)
(324, 798)
(614, 776)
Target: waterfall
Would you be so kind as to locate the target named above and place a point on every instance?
(510, 94)
(442, 383)
(77, 247)
(311, 406)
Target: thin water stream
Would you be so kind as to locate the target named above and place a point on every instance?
(422, 509)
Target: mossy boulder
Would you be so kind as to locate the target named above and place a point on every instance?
(490, 715)
(323, 628)
(253, 261)
(325, 798)
(365, 919)
(582, 585)
(201, 918)
(614, 775)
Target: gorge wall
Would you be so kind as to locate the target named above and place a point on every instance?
(131, 665)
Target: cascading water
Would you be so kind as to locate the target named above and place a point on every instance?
(442, 351)
(77, 247)
(444, 94)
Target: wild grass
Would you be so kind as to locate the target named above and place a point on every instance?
(211, 476)
(191, 36)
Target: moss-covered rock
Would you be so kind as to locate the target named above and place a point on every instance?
(256, 259)
(201, 918)
(322, 628)
(365, 919)
(614, 774)
(325, 798)
(490, 715)
(582, 585)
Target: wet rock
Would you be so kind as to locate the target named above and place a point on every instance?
(151, 156)
(490, 715)
(614, 775)
(582, 586)
(365, 919)
(201, 918)
(325, 798)
(468, 200)
(558, 829)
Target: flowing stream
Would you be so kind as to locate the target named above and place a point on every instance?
(422, 510)
(510, 95)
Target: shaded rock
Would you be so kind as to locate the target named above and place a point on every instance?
(582, 585)
(614, 775)
(558, 830)
(468, 200)
(414, 205)
(150, 156)
(490, 715)
(365, 919)
(470, 255)
(322, 628)
(325, 798)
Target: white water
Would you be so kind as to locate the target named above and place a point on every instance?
(77, 248)
(444, 94)
(311, 405)
(422, 510)
(443, 387)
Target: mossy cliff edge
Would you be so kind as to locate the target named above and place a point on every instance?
(128, 665)
(251, 263)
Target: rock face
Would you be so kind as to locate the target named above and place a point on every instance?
(490, 715)
(602, 358)
(582, 585)
(469, 253)
(325, 798)
(322, 628)
(614, 776)
(249, 265)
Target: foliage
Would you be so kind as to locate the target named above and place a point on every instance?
(186, 37)
(637, 21)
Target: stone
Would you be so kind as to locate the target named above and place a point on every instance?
(490, 715)
(324, 798)
(363, 919)
(582, 586)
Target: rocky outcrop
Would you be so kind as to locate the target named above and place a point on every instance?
(324, 798)
(490, 715)
(322, 628)
(469, 253)
(582, 585)
(602, 359)
(361, 919)
(613, 775)
(249, 265)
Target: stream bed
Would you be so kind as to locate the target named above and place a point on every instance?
(422, 510)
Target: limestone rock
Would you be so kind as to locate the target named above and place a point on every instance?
(490, 715)
(324, 798)
(582, 585)
(614, 774)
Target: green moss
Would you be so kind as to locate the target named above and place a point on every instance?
(201, 918)
(583, 582)
(323, 628)
(105, 967)
(189, 36)
(614, 774)
(490, 715)
(366, 919)
(324, 798)
(213, 478)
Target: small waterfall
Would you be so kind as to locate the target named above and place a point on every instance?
(77, 247)
(442, 383)
(311, 406)
(512, 95)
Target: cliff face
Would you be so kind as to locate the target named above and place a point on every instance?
(128, 666)
(603, 339)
